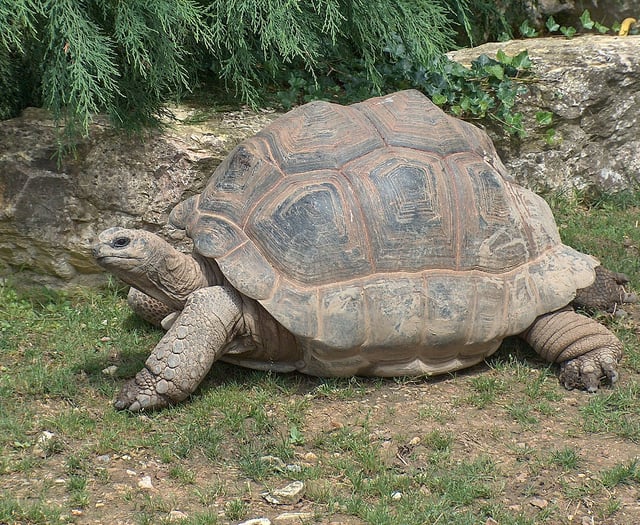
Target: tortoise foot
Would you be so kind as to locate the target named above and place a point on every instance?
(587, 371)
(141, 393)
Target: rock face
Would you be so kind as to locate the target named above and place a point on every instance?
(590, 85)
(568, 11)
(50, 214)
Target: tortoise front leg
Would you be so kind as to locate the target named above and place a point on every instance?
(587, 351)
(185, 354)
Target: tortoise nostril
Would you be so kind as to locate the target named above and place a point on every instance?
(121, 242)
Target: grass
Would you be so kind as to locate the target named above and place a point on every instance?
(458, 449)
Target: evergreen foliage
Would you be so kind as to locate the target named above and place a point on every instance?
(128, 58)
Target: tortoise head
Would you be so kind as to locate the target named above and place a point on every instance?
(150, 264)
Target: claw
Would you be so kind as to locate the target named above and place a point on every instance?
(589, 370)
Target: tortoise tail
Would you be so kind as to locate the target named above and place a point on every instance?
(587, 350)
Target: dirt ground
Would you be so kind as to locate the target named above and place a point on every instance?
(139, 487)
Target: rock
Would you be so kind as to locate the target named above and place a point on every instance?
(294, 517)
(256, 521)
(290, 494)
(50, 213)
(177, 515)
(568, 12)
(110, 371)
(588, 84)
(145, 483)
(539, 503)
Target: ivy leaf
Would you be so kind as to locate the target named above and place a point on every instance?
(544, 118)
(552, 25)
(585, 20)
(568, 31)
(439, 99)
(527, 31)
(503, 58)
(496, 70)
(522, 60)
(601, 28)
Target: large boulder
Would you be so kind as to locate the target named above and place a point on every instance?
(590, 85)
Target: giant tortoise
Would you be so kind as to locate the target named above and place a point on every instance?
(384, 238)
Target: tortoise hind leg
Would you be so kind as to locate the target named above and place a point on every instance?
(185, 354)
(587, 351)
(607, 291)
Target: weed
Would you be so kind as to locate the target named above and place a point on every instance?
(236, 509)
(567, 458)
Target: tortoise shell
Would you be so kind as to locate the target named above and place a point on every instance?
(384, 224)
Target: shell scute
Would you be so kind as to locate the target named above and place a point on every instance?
(319, 136)
(308, 230)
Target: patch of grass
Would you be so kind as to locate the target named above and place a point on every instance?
(627, 473)
(566, 458)
(616, 412)
(485, 390)
(13, 510)
(236, 509)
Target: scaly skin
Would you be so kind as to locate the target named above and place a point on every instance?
(587, 351)
(187, 351)
(148, 308)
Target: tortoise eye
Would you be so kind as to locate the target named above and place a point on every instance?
(121, 242)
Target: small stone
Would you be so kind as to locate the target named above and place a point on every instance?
(273, 461)
(99, 505)
(110, 371)
(59, 481)
(415, 441)
(77, 512)
(290, 494)
(294, 468)
(105, 339)
(587, 520)
(105, 458)
(131, 472)
(176, 515)
(397, 495)
(145, 483)
(295, 517)
(310, 457)
(539, 502)
(256, 521)
(490, 521)
(45, 436)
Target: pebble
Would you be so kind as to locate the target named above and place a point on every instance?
(176, 515)
(539, 502)
(256, 521)
(45, 436)
(292, 493)
(145, 483)
(295, 517)
(310, 457)
(110, 371)
(396, 495)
